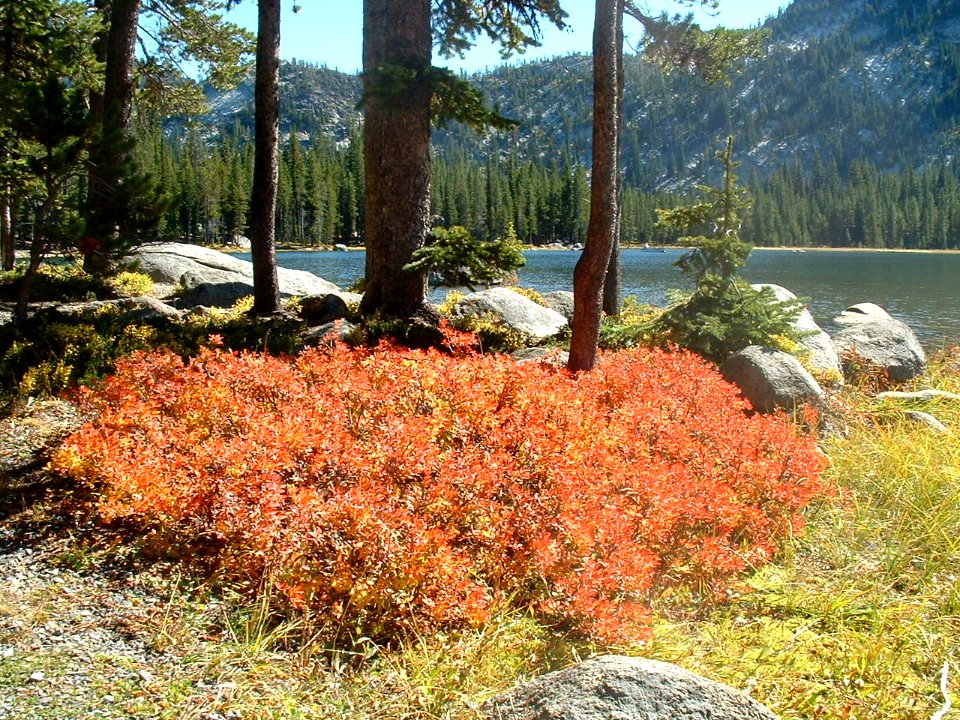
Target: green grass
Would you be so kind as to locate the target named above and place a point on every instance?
(859, 616)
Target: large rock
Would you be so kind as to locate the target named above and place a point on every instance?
(622, 688)
(560, 301)
(873, 341)
(861, 312)
(216, 279)
(517, 312)
(821, 353)
(321, 309)
(771, 379)
(135, 309)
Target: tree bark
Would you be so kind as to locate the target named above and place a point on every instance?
(612, 292)
(118, 91)
(8, 255)
(591, 269)
(396, 155)
(100, 46)
(266, 163)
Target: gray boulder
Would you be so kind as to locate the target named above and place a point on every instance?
(822, 355)
(517, 312)
(214, 295)
(218, 279)
(771, 379)
(623, 688)
(321, 309)
(861, 312)
(883, 343)
(560, 301)
(135, 309)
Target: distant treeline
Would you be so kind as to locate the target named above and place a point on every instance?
(321, 197)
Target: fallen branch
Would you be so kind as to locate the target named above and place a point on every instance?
(944, 676)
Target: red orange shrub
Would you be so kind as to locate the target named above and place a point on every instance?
(388, 489)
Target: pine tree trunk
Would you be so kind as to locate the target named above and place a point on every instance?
(591, 269)
(612, 290)
(266, 164)
(396, 156)
(100, 46)
(8, 255)
(118, 91)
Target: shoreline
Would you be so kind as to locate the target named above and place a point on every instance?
(652, 248)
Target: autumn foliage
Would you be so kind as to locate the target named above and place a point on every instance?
(386, 489)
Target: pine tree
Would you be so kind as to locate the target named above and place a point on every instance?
(724, 314)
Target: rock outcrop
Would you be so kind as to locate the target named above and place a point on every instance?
(560, 301)
(821, 354)
(215, 279)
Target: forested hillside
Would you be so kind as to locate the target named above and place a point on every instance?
(846, 128)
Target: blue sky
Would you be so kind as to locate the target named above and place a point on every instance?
(329, 31)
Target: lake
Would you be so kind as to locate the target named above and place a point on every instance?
(922, 289)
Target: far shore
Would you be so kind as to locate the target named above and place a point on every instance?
(627, 246)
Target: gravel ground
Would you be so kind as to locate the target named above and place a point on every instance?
(82, 634)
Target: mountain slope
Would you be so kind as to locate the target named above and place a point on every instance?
(842, 81)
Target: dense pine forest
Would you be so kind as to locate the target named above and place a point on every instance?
(321, 197)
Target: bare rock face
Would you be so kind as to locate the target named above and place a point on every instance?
(215, 279)
(622, 688)
(517, 312)
(870, 338)
(771, 379)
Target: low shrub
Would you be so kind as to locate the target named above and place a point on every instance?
(65, 281)
(54, 352)
(632, 327)
(388, 490)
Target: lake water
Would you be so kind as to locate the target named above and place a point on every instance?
(922, 289)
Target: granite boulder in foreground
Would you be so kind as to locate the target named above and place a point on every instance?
(771, 380)
(623, 688)
(517, 312)
(870, 339)
(821, 353)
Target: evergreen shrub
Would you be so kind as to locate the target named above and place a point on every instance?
(457, 259)
(724, 314)
(389, 490)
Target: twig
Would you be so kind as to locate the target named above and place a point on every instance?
(944, 676)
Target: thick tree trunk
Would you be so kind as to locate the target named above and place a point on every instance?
(591, 269)
(100, 46)
(118, 91)
(612, 292)
(396, 155)
(266, 164)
